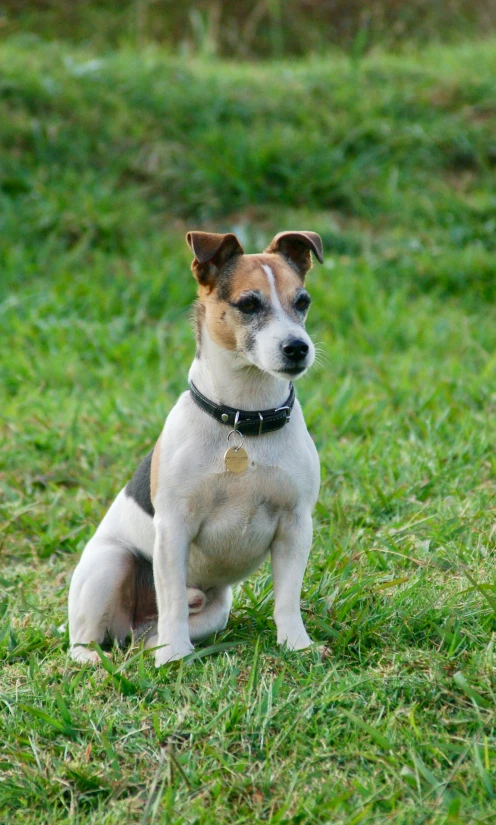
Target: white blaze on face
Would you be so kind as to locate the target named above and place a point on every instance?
(274, 297)
(268, 354)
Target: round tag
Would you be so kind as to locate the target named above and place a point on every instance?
(236, 459)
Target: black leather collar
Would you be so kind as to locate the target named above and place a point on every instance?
(248, 422)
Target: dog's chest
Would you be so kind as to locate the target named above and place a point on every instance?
(237, 518)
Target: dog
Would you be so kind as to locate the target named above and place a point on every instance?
(233, 477)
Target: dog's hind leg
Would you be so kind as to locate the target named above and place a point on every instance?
(101, 598)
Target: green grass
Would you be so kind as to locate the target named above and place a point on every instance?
(104, 167)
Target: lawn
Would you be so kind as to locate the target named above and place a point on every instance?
(106, 159)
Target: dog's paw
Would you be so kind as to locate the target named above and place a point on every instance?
(296, 640)
(83, 654)
(172, 653)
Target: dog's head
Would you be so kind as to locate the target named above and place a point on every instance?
(256, 305)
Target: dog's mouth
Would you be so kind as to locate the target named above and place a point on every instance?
(294, 372)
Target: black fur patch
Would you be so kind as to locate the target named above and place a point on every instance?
(254, 324)
(139, 486)
(250, 340)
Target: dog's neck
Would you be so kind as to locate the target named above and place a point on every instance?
(226, 377)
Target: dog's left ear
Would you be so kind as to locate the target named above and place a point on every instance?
(296, 248)
(212, 251)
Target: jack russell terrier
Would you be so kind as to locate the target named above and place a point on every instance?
(233, 476)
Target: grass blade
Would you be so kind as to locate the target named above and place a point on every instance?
(378, 737)
(461, 682)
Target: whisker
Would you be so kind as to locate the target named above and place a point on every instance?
(321, 353)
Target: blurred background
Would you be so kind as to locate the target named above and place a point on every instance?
(251, 28)
(124, 124)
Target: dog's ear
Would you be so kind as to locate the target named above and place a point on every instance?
(296, 248)
(212, 252)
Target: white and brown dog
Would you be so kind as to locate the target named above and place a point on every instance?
(233, 476)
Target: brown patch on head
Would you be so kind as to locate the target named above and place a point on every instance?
(216, 315)
(250, 275)
(246, 274)
(287, 281)
(154, 472)
(220, 329)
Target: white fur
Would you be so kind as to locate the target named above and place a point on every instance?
(212, 528)
(273, 291)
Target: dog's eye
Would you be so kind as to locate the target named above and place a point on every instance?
(302, 302)
(249, 304)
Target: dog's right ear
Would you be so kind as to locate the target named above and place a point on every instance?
(212, 252)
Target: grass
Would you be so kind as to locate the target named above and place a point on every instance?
(107, 159)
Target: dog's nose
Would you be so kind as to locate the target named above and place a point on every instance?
(295, 350)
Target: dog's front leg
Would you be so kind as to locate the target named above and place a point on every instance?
(289, 554)
(170, 562)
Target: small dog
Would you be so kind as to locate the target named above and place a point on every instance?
(233, 476)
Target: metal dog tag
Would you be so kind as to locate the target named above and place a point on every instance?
(236, 459)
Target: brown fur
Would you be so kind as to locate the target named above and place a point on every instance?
(248, 274)
(137, 604)
(216, 314)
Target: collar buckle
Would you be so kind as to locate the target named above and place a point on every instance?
(268, 420)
